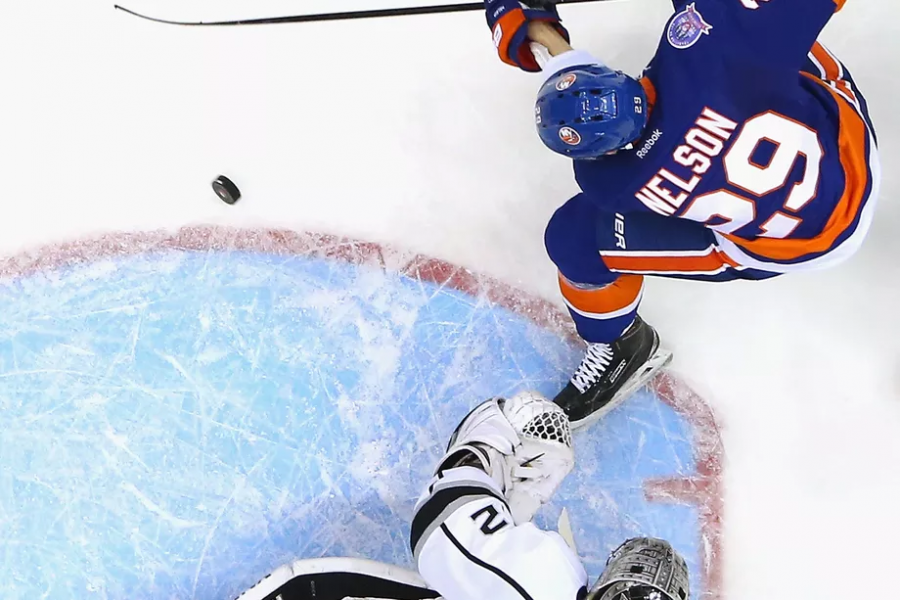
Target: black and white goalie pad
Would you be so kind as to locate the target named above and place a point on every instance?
(337, 579)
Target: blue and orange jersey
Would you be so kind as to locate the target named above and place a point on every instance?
(755, 130)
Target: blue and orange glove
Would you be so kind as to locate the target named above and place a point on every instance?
(509, 19)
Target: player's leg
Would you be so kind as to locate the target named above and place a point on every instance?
(623, 351)
(602, 260)
(337, 579)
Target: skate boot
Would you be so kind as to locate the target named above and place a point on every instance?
(609, 373)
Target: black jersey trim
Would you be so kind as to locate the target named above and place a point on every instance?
(435, 505)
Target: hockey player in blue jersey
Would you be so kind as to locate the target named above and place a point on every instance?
(745, 151)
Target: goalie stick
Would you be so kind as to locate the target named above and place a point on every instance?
(335, 16)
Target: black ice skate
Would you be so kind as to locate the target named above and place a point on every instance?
(609, 373)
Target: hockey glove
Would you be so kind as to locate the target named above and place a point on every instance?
(486, 439)
(544, 455)
(508, 20)
(524, 444)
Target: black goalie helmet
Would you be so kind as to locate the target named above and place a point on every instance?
(643, 569)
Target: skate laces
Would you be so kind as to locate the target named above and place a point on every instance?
(593, 366)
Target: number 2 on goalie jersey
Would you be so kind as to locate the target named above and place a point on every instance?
(791, 140)
(494, 521)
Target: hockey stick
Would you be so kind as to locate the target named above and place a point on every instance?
(337, 16)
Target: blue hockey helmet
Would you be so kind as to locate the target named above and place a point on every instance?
(586, 111)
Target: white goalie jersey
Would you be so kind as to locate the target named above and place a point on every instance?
(467, 546)
(472, 535)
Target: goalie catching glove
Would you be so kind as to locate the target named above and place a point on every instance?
(509, 19)
(524, 444)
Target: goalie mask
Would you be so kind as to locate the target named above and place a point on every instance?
(643, 569)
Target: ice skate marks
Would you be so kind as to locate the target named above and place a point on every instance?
(181, 414)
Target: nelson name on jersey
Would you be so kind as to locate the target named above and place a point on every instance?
(667, 191)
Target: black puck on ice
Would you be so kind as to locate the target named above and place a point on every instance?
(226, 190)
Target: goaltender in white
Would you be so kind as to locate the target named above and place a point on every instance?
(472, 535)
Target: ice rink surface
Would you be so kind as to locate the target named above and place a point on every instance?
(182, 418)
(408, 133)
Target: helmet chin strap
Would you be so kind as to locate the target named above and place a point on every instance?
(625, 147)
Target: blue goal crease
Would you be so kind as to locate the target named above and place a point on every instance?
(177, 424)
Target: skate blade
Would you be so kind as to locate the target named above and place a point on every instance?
(641, 377)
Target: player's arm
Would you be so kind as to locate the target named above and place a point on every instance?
(767, 32)
(468, 547)
(530, 35)
(471, 535)
(553, 50)
(548, 37)
(510, 21)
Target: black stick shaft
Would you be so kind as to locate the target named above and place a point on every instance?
(336, 16)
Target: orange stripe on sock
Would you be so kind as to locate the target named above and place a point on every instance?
(839, 4)
(614, 297)
(852, 149)
(663, 263)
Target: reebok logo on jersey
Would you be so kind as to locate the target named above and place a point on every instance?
(671, 186)
(654, 137)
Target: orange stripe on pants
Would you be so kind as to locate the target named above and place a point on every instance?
(711, 262)
(617, 296)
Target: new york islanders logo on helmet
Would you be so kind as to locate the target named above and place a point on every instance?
(687, 28)
(566, 81)
(569, 136)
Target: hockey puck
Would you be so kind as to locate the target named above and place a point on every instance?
(226, 190)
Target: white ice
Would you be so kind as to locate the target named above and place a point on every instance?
(411, 132)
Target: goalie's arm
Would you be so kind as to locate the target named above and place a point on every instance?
(467, 548)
